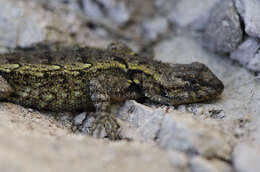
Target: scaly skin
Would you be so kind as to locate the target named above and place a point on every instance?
(91, 78)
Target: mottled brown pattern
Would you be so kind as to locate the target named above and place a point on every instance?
(79, 78)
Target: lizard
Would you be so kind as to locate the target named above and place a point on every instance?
(91, 79)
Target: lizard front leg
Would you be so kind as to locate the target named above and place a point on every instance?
(104, 119)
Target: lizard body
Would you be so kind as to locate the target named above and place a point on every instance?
(91, 78)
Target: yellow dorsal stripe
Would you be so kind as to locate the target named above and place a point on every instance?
(108, 65)
(143, 69)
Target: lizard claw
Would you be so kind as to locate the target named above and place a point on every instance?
(99, 125)
(104, 122)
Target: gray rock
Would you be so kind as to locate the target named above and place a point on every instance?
(144, 120)
(24, 23)
(185, 133)
(164, 7)
(32, 141)
(79, 118)
(12, 18)
(182, 49)
(52, 4)
(223, 31)
(246, 157)
(153, 28)
(255, 136)
(109, 12)
(179, 160)
(76, 153)
(248, 54)
(249, 11)
(200, 164)
(190, 13)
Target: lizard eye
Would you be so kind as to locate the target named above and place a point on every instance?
(192, 81)
(192, 84)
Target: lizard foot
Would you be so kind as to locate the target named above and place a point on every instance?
(99, 125)
(108, 122)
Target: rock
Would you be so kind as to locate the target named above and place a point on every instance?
(123, 19)
(190, 13)
(20, 121)
(180, 49)
(54, 4)
(144, 120)
(19, 25)
(154, 28)
(79, 118)
(223, 31)
(164, 7)
(175, 131)
(200, 164)
(248, 54)
(255, 136)
(33, 141)
(114, 13)
(185, 133)
(179, 160)
(246, 157)
(75, 153)
(249, 11)
(184, 48)
(27, 22)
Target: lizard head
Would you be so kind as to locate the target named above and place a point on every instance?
(190, 83)
(182, 83)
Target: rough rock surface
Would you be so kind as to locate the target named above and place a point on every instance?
(248, 54)
(223, 31)
(246, 156)
(31, 141)
(189, 13)
(199, 164)
(27, 22)
(152, 29)
(145, 121)
(186, 133)
(249, 11)
(107, 11)
(77, 153)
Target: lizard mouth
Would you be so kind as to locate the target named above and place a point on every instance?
(185, 97)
